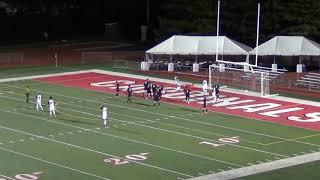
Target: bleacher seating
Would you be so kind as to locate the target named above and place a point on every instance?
(310, 80)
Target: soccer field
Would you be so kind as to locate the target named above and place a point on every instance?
(142, 142)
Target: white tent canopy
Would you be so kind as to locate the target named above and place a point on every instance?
(199, 45)
(288, 46)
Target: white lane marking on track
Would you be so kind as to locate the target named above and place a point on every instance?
(52, 163)
(94, 151)
(127, 139)
(37, 173)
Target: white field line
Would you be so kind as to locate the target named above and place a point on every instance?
(260, 168)
(119, 137)
(42, 76)
(148, 120)
(280, 98)
(7, 177)
(243, 147)
(93, 151)
(169, 116)
(52, 163)
(303, 137)
(183, 134)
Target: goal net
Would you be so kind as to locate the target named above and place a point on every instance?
(238, 77)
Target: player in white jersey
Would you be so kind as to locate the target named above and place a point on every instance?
(178, 85)
(38, 102)
(205, 86)
(214, 93)
(52, 108)
(104, 110)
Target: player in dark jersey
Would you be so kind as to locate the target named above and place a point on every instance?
(117, 88)
(217, 91)
(161, 91)
(154, 89)
(27, 93)
(156, 97)
(204, 109)
(146, 86)
(149, 91)
(187, 93)
(130, 93)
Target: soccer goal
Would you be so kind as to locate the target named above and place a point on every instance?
(241, 76)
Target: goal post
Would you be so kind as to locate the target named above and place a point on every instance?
(237, 77)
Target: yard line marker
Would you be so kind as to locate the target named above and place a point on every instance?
(221, 170)
(211, 172)
(7, 177)
(250, 164)
(295, 154)
(21, 140)
(188, 135)
(241, 130)
(268, 160)
(201, 174)
(94, 151)
(52, 163)
(191, 135)
(98, 128)
(127, 139)
(37, 173)
(12, 142)
(70, 132)
(259, 162)
(79, 131)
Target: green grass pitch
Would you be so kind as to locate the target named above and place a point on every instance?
(142, 142)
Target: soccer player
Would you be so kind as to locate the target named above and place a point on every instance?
(52, 108)
(104, 110)
(146, 86)
(217, 91)
(204, 109)
(161, 91)
(117, 88)
(178, 85)
(129, 92)
(38, 102)
(205, 87)
(214, 93)
(149, 91)
(187, 93)
(156, 97)
(27, 93)
(154, 89)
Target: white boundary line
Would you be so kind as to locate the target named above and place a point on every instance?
(52, 163)
(260, 168)
(1, 175)
(280, 98)
(243, 147)
(91, 150)
(123, 138)
(170, 116)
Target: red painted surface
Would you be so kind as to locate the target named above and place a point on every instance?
(83, 80)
